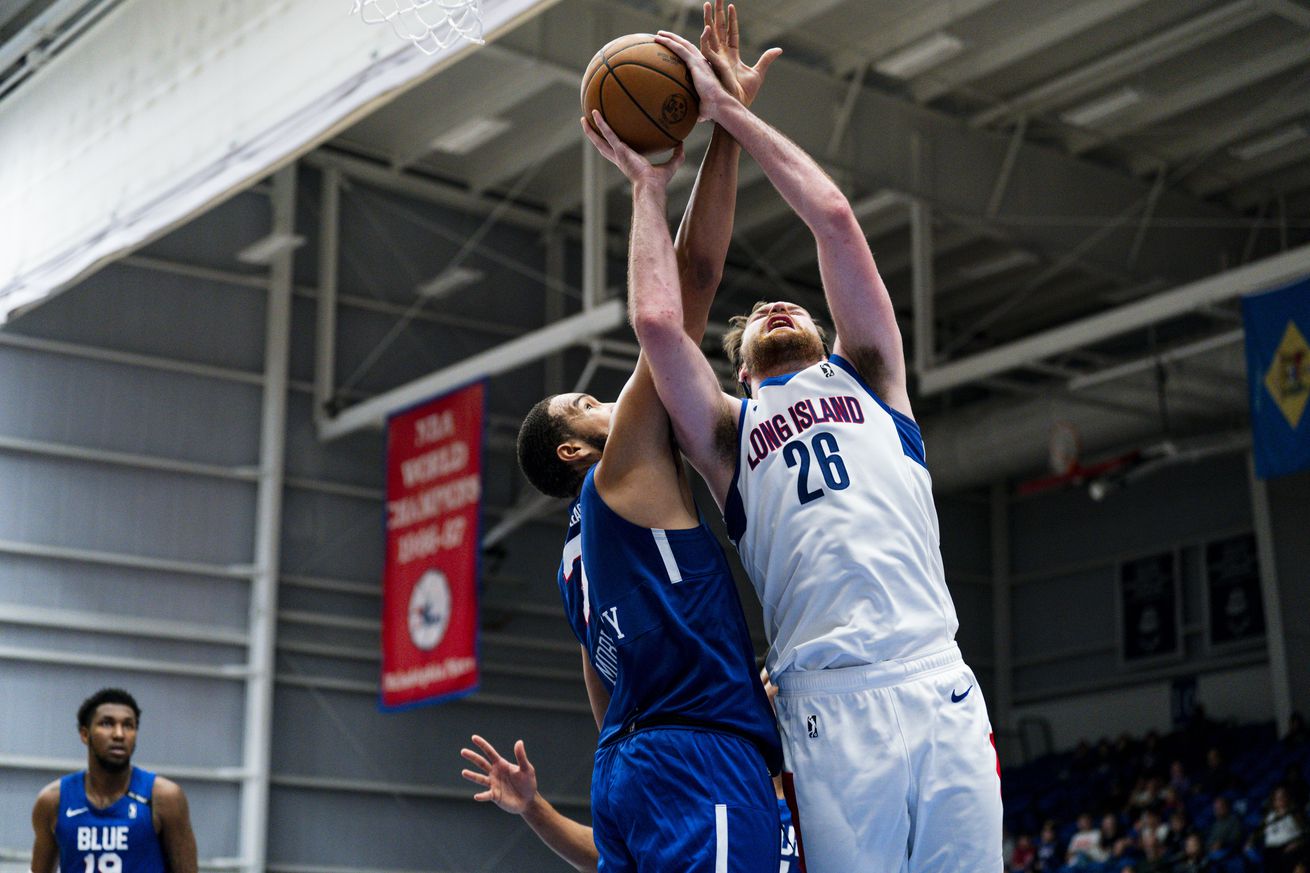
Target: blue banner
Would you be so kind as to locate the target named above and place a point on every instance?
(1277, 324)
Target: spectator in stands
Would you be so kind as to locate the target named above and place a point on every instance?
(1155, 858)
(1110, 833)
(1048, 849)
(1284, 833)
(1193, 859)
(1146, 794)
(1178, 780)
(1150, 823)
(1152, 756)
(1177, 831)
(1225, 835)
(1085, 845)
(1216, 778)
(1297, 789)
(1025, 855)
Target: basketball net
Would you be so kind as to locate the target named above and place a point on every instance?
(429, 24)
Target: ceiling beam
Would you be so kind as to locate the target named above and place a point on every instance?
(784, 17)
(1052, 200)
(1286, 9)
(1237, 172)
(513, 80)
(1204, 89)
(503, 358)
(522, 149)
(1287, 182)
(1291, 103)
(885, 36)
(1118, 65)
(1170, 304)
(1033, 37)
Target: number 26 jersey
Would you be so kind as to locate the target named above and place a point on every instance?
(832, 513)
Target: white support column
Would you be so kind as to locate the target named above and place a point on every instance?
(1001, 693)
(263, 594)
(1275, 628)
(921, 266)
(325, 334)
(593, 226)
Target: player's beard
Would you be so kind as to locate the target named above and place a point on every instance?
(109, 765)
(597, 442)
(779, 349)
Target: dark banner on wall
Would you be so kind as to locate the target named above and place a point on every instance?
(1235, 611)
(1148, 609)
(430, 584)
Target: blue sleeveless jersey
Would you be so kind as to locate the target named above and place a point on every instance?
(118, 839)
(658, 613)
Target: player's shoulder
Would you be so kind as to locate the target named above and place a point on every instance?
(166, 789)
(168, 798)
(47, 801)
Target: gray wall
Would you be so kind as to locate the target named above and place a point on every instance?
(1065, 556)
(83, 603)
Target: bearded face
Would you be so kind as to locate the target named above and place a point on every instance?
(780, 337)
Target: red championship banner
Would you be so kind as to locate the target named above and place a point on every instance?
(430, 587)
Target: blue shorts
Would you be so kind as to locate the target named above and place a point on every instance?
(683, 800)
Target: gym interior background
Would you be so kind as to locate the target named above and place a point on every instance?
(233, 222)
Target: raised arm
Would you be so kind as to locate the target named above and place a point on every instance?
(634, 472)
(683, 377)
(513, 787)
(862, 311)
(701, 243)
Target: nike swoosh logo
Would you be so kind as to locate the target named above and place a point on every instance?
(72, 812)
(956, 698)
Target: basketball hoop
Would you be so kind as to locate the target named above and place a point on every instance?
(429, 24)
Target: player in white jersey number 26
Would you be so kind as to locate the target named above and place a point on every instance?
(823, 481)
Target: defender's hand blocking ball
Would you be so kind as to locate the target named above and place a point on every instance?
(643, 91)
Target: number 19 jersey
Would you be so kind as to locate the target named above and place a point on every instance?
(832, 513)
(120, 838)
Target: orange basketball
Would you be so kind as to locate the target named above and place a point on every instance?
(643, 91)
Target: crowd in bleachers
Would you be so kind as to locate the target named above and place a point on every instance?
(1208, 798)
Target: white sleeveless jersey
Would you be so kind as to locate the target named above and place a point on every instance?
(832, 513)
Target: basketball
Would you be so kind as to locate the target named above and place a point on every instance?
(643, 91)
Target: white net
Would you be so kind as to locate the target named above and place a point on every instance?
(429, 24)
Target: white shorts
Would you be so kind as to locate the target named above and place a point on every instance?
(894, 767)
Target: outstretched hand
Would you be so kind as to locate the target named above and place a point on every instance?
(508, 785)
(713, 94)
(619, 153)
(720, 43)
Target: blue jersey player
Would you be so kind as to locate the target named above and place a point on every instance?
(681, 775)
(112, 817)
(512, 786)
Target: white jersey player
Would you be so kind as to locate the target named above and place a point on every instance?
(822, 478)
